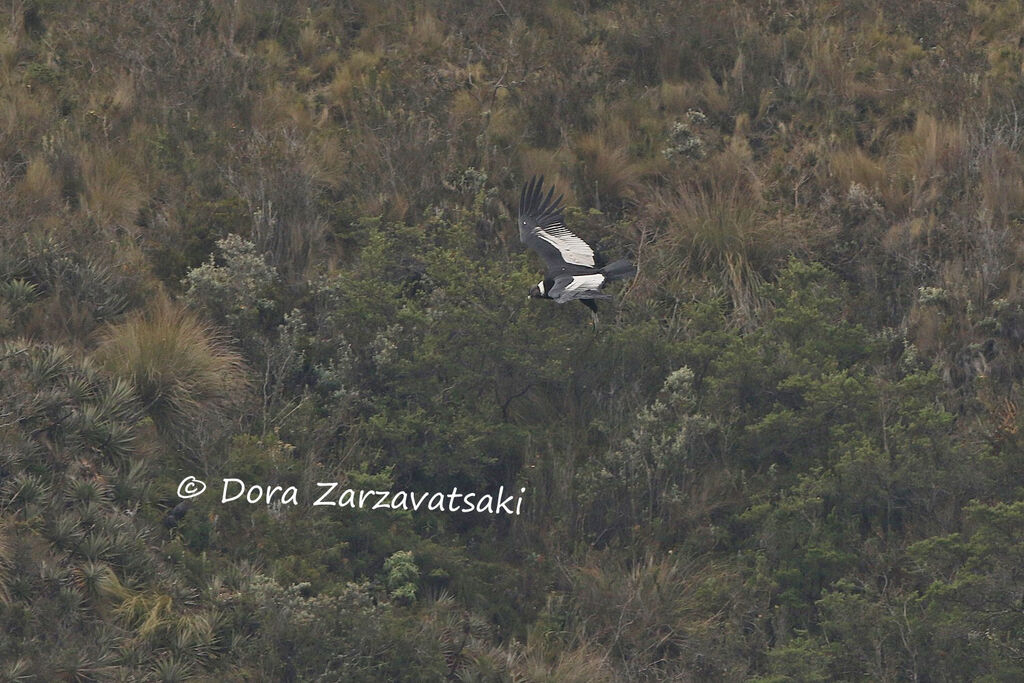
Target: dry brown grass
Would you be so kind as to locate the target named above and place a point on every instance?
(310, 42)
(582, 664)
(280, 174)
(928, 162)
(1002, 183)
(719, 232)
(39, 190)
(323, 160)
(712, 97)
(677, 97)
(828, 68)
(555, 166)
(924, 167)
(283, 107)
(608, 171)
(353, 73)
(8, 56)
(653, 613)
(179, 367)
(720, 228)
(504, 124)
(109, 110)
(24, 119)
(112, 193)
(426, 33)
(853, 165)
(6, 562)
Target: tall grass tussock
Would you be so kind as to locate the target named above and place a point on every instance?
(179, 367)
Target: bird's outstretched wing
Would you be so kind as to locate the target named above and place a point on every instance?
(571, 287)
(541, 228)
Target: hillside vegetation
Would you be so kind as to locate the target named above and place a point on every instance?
(274, 241)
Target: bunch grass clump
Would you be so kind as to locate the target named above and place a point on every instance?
(179, 367)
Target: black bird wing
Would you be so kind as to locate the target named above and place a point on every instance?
(174, 516)
(571, 287)
(542, 229)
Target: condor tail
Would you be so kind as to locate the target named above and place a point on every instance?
(619, 270)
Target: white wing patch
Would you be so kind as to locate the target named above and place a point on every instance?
(571, 287)
(572, 248)
(585, 283)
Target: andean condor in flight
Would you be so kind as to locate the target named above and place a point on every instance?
(573, 270)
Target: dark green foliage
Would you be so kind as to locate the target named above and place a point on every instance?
(339, 636)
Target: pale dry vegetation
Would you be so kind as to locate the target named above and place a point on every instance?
(180, 368)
